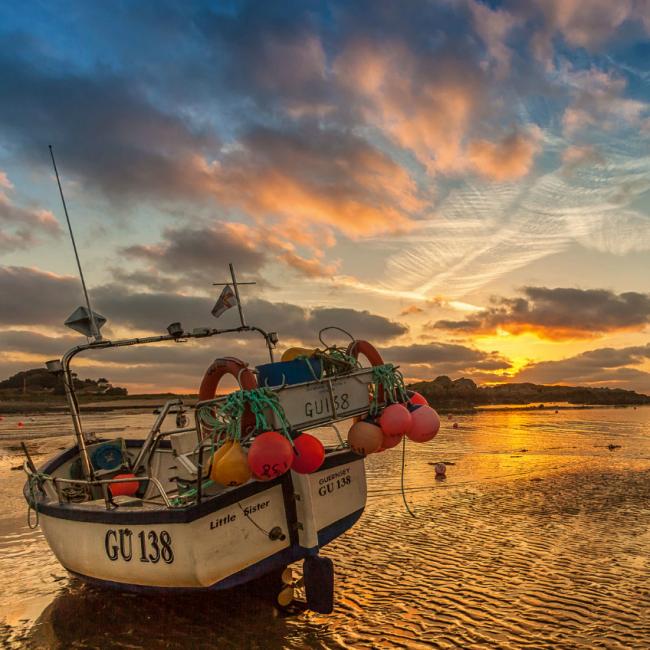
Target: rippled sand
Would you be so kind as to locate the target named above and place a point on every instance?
(539, 537)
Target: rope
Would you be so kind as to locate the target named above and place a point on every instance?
(388, 379)
(34, 479)
(408, 509)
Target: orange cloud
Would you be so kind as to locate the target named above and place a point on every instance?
(312, 180)
(507, 159)
(425, 109)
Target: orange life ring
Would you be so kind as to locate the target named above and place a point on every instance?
(363, 347)
(237, 369)
(369, 351)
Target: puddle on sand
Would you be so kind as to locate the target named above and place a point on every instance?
(539, 537)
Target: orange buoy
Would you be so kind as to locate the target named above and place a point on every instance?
(425, 424)
(395, 420)
(270, 456)
(232, 468)
(127, 489)
(308, 454)
(20, 425)
(365, 438)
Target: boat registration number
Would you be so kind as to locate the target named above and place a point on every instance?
(310, 404)
(146, 546)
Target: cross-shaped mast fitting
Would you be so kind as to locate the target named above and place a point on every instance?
(235, 285)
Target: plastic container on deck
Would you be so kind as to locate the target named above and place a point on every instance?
(289, 372)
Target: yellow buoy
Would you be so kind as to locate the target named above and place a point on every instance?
(218, 455)
(294, 353)
(232, 468)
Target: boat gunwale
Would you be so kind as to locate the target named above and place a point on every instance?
(180, 515)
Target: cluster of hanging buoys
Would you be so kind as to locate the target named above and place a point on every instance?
(414, 419)
(269, 456)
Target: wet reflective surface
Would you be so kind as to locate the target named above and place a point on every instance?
(538, 537)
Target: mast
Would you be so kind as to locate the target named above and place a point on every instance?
(95, 329)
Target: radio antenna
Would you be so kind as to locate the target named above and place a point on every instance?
(91, 314)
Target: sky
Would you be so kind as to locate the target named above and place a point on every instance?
(465, 184)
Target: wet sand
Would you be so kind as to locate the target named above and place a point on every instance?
(538, 538)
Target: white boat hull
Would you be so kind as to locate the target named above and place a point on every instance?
(222, 542)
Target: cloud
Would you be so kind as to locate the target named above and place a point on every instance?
(104, 128)
(23, 227)
(557, 314)
(308, 176)
(576, 156)
(423, 108)
(603, 365)
(493, 26)
(444, 358)
(598, 101)
(508, 159)
(30, 296)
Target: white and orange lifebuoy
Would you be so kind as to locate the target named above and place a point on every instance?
(237, 369)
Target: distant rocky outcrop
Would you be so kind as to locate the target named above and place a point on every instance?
(40, 380)
(460, 393)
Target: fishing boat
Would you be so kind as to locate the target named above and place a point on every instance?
(232, 487)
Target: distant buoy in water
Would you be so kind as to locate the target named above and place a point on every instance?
(455, 425)
(441, 470)
(20, 425)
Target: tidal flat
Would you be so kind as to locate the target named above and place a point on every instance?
(539, 537)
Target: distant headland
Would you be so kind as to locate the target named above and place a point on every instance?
(464, 393)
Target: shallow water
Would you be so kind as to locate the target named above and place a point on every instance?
(539, 537)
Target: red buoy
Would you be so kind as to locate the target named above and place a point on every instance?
(20, 425)
(395, 420)
(128, 488)
(389, 442)
(308, 454)
(270, 456)
(415, 398)
(425, 424)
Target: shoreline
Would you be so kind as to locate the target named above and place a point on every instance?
(141, 403)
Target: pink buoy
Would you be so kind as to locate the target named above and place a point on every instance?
(415, 398)
(270, 455)
(425, 424)
(395, 420)
(365, 438)
(126, 489)
(308, 455)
